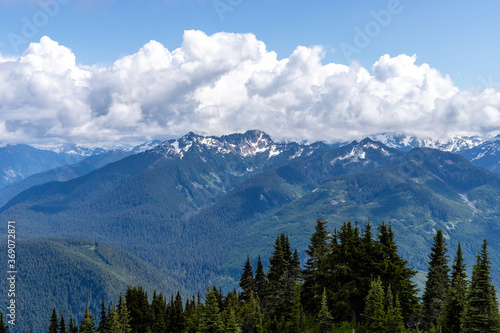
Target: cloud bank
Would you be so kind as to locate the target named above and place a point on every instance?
(227, 83)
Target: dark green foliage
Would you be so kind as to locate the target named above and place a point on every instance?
(54, 322)
(375, 315)
(72, 326)
(481, 306)
(139, 309)
(436, 287)
(382, 312)
(159, 313)
(4, 328)
(297, 318)
(87, 324)
(281, 280)
(260, 280)
(314, 272)
(454, 307)
(175, 315)
(247, 281)
(62, 325)
(231, 323)
(395, 274)
(103, 322)
(325, 318)
(351, 258)
(124, 317)
(91, 270)
(252, 317)
(210, 316)
(113, 321)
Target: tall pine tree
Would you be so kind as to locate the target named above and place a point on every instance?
(454, 308)
(481, 307)
(62, 325)
(437, 284)
(103, 322)
(325, 318)
(395, 274)
(87, 325)
(314, 272)
(54, 322)
(375, 316)
(247, 281)
(210, 316)
(260, 280)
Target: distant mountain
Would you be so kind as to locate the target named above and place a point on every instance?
(20, 161)
(160, 188)
(420, 192)
(407, 142)
(73, 274)
(63, 173)
(486, 155)
(201, 203)
(70, 149)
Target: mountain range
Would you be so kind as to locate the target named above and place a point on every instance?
(194, 207)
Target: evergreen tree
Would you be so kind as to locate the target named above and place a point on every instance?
(394, 318)
(4, 328)
(113, 321)
(296, 321)
(345, 291)
(481, 307)
(210, 317)
(260, 280)
(232, 325)
(281, 284)
(375, 316)
(87, 325)
(247, 281)
(54, 322)
(252, 317)
(103, 322)
(314, 272)
(175, 321)
(191, 315)
(454, 308)
(72, 327)
(124, 317)
(325, 318)
(139, 309)
(62, 325)
(395, 273)
(159, 310)
(436, 287)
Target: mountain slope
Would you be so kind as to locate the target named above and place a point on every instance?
(156, 192)
(63, 173)
(20, 161)
(424, 191)
(486, 155)
(200, 203)
(73, 274)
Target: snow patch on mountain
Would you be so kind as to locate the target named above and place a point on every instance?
(407, 142)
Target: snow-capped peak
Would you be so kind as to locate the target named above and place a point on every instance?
(407, 142)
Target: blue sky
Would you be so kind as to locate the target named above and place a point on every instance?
(459, 38)
(456, 38)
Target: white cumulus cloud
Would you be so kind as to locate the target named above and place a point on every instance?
(226, 83)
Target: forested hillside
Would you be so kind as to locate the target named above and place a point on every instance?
(353, 280)
(73, 274)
